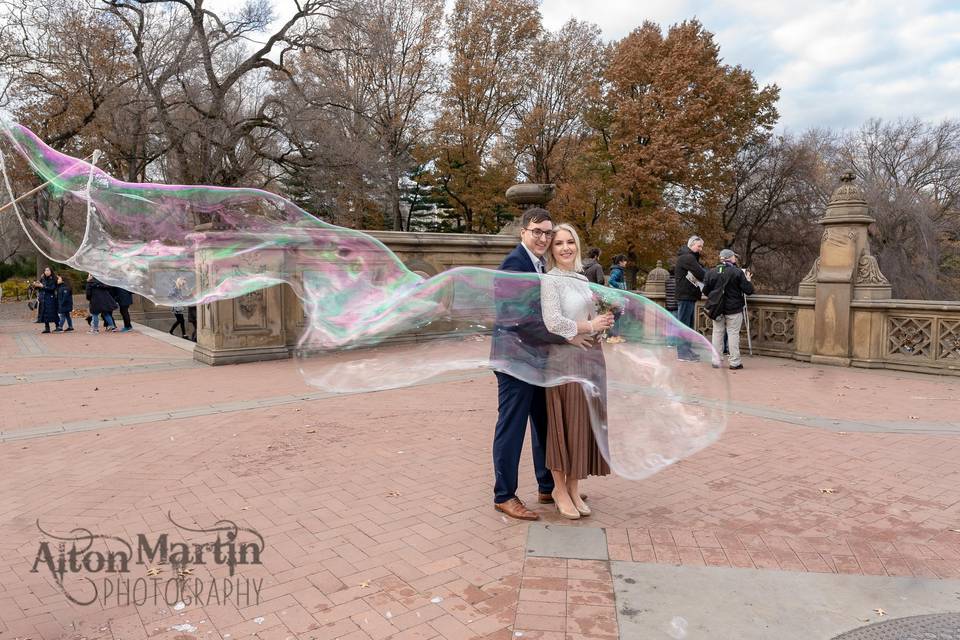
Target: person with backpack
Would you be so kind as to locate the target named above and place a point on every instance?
(726, 287)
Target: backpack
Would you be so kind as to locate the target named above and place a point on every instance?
(714, 305)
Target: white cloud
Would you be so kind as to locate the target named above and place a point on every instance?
(837, 63)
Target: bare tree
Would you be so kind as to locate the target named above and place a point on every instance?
(911, 177)
(210, 90)
(379, 65)
(559, 71)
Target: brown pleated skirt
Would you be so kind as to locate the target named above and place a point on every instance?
(571, 444)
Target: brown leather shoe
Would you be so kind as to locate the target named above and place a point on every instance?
(515, 509)
(546, 498)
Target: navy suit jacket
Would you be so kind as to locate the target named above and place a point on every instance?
(520, 339)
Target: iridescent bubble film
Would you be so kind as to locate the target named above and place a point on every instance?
(370, 323)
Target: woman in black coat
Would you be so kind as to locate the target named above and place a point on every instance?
(100, 302)
(64, 304)
(47, 294)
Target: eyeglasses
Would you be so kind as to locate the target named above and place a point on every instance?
(540, 233)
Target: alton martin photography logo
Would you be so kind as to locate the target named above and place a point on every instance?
(154, 568)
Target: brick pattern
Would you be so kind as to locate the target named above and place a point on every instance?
(564, 599)
(376, 508)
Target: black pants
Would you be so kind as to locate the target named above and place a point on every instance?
(125, 313)
(179, 322)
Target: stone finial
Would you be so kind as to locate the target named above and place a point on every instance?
(847, 192)
(658, 273)
(656, 281)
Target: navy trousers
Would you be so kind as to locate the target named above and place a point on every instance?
(686, 313)
(517, 401)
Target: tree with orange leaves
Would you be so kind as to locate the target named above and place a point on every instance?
(670, 121)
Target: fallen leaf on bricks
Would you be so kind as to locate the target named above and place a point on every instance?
(827, 490)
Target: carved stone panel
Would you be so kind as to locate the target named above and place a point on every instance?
(910, 337)
(249, 312)
(779, 326)
(948, 344)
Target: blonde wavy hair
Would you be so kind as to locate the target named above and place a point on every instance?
(577, 262)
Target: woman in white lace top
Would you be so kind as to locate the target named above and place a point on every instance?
(569, 311)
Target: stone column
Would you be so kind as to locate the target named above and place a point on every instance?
(844, 272)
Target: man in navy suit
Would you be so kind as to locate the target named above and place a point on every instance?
(520, 342)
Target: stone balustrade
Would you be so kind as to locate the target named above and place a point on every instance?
(843, 314)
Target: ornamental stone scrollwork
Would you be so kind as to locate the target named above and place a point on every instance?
(868, 271)
(811, 277)
(249, 303)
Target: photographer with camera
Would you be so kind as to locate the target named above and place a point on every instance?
(726, 288)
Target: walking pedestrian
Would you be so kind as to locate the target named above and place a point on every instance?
(64, 305)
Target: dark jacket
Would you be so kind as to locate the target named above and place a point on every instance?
(520, 339)
(48, 299)
(670, 304)
(123, 297)
(617, 281)
(64, 298)
(99, 296)
(736, 286)
(688, 261)
(593, 271)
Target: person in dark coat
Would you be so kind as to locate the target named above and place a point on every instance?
(735, 284)
(520, 344)
(688, 278)
(101, 302)
(592, 268)
(64, 304)
(47, 297)
(124, 299)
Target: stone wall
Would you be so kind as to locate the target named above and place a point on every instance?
(267, 324)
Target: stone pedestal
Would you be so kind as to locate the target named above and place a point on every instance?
(844, 272)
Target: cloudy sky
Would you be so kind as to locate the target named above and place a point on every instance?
(838, 62)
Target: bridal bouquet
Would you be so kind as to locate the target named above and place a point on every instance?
(604, 303)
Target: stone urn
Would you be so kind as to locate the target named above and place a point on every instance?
(527, 195)
(531, 195)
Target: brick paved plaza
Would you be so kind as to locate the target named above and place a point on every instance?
(375, 509)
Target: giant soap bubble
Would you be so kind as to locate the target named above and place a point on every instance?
(185, 245)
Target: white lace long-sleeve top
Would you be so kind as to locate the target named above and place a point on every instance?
(565, 299)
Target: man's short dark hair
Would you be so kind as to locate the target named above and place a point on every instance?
(593, 253)
(535, 215)
(617, 259)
